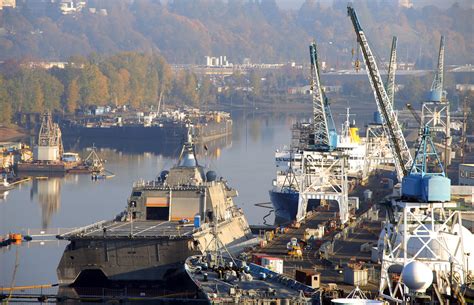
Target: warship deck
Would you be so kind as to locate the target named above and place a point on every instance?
(274, 287)
(136, 228)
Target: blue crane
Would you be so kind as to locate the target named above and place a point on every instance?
(325, 136)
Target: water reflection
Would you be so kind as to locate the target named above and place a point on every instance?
(211, 148)
(245, 160)
(3, 195)
(48, 193)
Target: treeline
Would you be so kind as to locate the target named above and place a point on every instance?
(132, 79)
(184, 31)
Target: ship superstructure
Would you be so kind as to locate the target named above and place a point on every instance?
(166, 221)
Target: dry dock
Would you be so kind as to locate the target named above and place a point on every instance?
(339, 245)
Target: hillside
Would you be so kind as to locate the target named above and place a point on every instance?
(184, 31)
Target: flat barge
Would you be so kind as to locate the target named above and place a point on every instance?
(167, 128)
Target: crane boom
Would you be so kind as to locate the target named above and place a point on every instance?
(415, 114)
(398, 145)
(392, 67)
(321, 131)
(436, 92)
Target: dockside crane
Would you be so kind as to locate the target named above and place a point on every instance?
(435, 111)
(322, 116)
(392, 67)
(436, 93)
(422, 229)
(398, 145)
(324, 167)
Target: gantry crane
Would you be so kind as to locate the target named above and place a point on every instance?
(324, 168)
(392, 128)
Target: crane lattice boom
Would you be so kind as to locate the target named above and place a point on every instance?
(321, 132)
(391, 71)
(398, 145)
(437, 86)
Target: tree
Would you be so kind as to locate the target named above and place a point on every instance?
(5, 106)
(93, 86)
(256, 82)
(73, 96)
(37, 104)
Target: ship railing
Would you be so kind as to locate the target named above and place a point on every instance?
(85, 229)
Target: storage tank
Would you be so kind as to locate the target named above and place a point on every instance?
(417, 276)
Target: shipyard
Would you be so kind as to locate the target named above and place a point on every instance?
(169, 153)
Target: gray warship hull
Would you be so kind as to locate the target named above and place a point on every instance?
(166, 221)
(122, 260)
(156, 253)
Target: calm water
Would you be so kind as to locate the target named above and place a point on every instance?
(246, 161)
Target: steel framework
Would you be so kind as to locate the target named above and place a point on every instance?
(377, 148)
(392, 128)
(324, 177)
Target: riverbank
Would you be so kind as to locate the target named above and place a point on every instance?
(11, 133)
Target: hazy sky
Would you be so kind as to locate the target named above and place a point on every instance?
(296, 4)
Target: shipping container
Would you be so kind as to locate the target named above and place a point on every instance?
(273, 263)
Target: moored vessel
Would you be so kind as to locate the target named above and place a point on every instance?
(166, 221)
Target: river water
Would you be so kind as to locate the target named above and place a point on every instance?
(246, 161)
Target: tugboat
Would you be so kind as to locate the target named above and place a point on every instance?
(165, 222)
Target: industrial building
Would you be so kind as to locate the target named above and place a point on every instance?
(466, 174)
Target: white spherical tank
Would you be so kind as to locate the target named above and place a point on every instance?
(417, 276)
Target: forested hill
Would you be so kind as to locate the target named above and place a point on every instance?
(184, 31)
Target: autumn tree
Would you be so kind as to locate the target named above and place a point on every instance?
(73, 96)
(93, 86)
(5, 106)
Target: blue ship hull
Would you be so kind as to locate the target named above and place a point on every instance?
(285, 205)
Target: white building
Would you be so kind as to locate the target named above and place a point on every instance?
(220, 61)
(7, 3)
(466, 174)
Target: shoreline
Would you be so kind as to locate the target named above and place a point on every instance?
(12, 133)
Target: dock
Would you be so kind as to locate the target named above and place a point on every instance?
(338, 247)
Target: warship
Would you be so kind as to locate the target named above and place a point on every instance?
(225, 280)
(165, 222)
